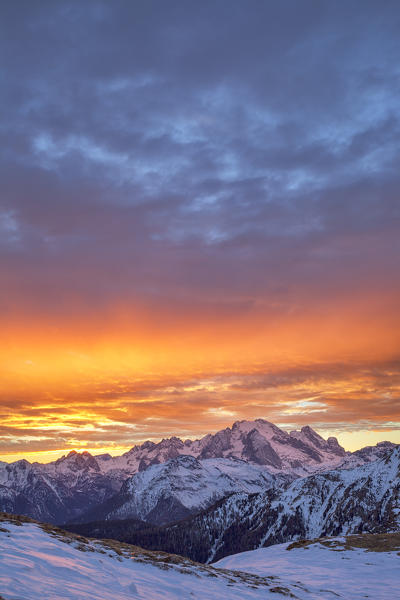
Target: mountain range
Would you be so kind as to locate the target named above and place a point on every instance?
(163, 482)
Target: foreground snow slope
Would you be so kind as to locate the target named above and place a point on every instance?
(363, 566)
(41, 562)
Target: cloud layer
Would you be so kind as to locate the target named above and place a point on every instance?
(193, 189)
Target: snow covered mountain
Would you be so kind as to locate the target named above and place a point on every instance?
(366, 455)
(257, 442)
(40, 561)
(182, 486)
(363, 499)
(56, 491)
(75, 484)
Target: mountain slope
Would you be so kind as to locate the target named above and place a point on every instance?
(363, 499)
(182, 486)
(57, 491)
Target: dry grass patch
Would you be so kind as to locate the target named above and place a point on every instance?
(15, 519)
(374, 542)
(282, 590)
(371, 542)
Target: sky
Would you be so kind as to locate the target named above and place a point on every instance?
(199, 220)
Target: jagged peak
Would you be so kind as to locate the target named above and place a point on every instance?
(77, 461)
(307, 430)
(265, 422)
(247, 426)
(74, 454)
(386, 444)
(332, 439)
(172, 441)
(147, 445)
(22, 462)
(105, 456)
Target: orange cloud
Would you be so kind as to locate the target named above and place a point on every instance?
(111, 383)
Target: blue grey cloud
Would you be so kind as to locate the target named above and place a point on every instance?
(198, 149)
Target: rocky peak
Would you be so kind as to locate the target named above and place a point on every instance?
(336, 447)
(105, 456)
(258, 450)
(172, 442)
(307, 430)
(386, 445)
(308, 433)
(266, 425)
(259, 424)
(78, 461)
(148, 445)
(22, 464)
(216, 445)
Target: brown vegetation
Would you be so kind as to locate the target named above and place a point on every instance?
(371, 542)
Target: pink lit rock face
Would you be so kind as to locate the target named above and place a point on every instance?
(258, 442)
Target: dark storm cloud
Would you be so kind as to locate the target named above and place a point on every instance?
(168, 146)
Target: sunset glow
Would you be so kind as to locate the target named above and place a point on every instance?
(197, 227)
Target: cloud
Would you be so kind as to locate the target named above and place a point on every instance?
(332, 397)
(200, 187)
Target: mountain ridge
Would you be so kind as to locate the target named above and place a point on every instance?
(74, 484)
